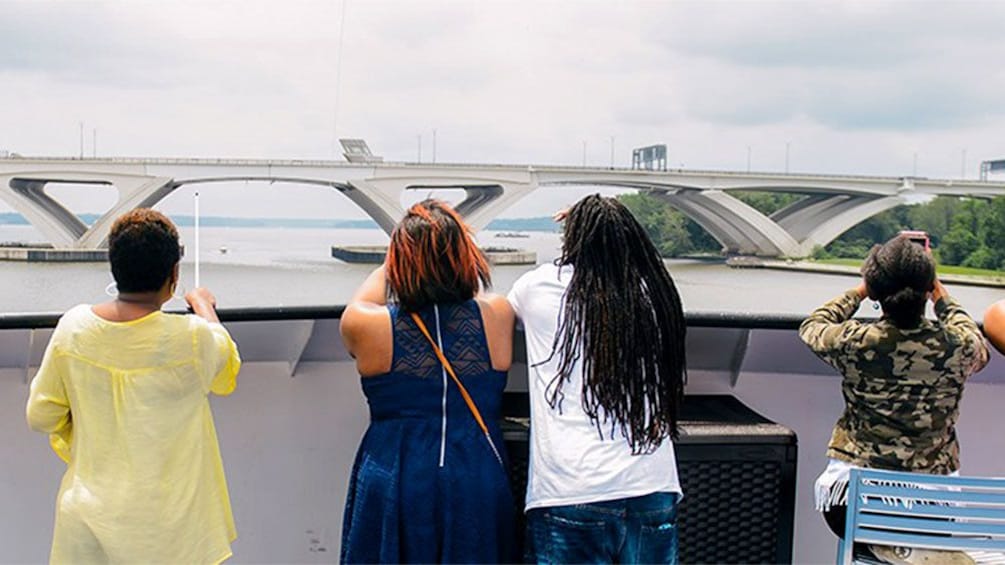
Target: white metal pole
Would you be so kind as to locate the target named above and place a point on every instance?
(338, 82)
(197, 279)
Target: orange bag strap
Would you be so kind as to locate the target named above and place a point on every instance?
(464, 392)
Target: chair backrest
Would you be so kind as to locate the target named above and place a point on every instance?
(925, 511)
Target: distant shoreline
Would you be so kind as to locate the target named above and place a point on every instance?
(746, 262)
(539, 224)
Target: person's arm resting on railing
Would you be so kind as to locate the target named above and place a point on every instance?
(217, 350)
(366, 325)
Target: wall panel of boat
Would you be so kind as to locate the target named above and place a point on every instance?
(288, 441)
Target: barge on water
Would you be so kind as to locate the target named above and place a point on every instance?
(46, 253)
(374, 254)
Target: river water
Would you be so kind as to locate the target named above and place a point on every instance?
(294, 267)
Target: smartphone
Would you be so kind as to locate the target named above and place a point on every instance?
(919, 237)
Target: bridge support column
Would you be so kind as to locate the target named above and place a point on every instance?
(485, 196)
(142, 192)
(57, 224)
(384, 206)
(828, 225)
(802, 217)
(61, 226)
(738, 226)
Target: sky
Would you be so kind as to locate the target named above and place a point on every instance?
(889, 88)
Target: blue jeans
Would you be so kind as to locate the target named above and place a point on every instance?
(642, 529)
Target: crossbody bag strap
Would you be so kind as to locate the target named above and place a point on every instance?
(464, 391)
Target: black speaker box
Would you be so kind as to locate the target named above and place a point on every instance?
(737, 470)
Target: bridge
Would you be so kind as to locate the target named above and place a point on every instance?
(832, 203)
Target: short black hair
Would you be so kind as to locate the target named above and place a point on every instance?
(142, 250)
(899, 274)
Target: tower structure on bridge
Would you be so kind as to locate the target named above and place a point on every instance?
(988, 167)
(651, 158)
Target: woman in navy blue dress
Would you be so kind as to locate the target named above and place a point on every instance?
(429, 483)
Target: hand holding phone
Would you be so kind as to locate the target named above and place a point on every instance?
(919, 237)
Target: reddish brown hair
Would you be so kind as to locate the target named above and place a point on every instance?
(433, 259)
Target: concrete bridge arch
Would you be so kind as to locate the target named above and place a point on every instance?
(823, 214)
(25, 193)
(834, 203)
(379, 196)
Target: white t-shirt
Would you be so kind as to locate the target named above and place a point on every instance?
(570, 463)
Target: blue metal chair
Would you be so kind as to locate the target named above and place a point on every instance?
(923, 511)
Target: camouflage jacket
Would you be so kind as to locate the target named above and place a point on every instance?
(901, 387)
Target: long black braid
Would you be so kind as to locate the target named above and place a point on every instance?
(622, 316)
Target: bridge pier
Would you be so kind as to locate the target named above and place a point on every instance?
(486, 195)
(738, 226)
(378, 194)
(62, 227)
(829, 227)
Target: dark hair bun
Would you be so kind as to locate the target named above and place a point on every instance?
(905, 307)
(899, 273)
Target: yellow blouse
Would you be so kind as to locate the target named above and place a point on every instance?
(126, 406)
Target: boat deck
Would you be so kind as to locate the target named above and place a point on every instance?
(289, 432)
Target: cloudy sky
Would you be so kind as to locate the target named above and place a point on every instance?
(849, 87)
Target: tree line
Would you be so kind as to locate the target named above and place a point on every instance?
(964, 231)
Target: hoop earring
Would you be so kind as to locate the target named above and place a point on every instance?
(112, 290)
(178, 292)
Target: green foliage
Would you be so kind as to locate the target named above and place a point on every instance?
(766, 203)
(668, 228)
(854, 249)
(675, 234)
(981, 258)
(957, 245)
(935, 217)
(963, 231)
(992, 230)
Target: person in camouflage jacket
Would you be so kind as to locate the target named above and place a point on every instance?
(903, 374)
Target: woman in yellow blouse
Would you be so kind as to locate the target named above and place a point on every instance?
(123, 394)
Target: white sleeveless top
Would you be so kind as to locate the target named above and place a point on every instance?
(570, 463)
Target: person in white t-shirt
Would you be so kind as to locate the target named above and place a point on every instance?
(606, 369)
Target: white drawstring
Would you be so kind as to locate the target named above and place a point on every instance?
(443, 430)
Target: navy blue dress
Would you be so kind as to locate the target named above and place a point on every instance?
(426, 486)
